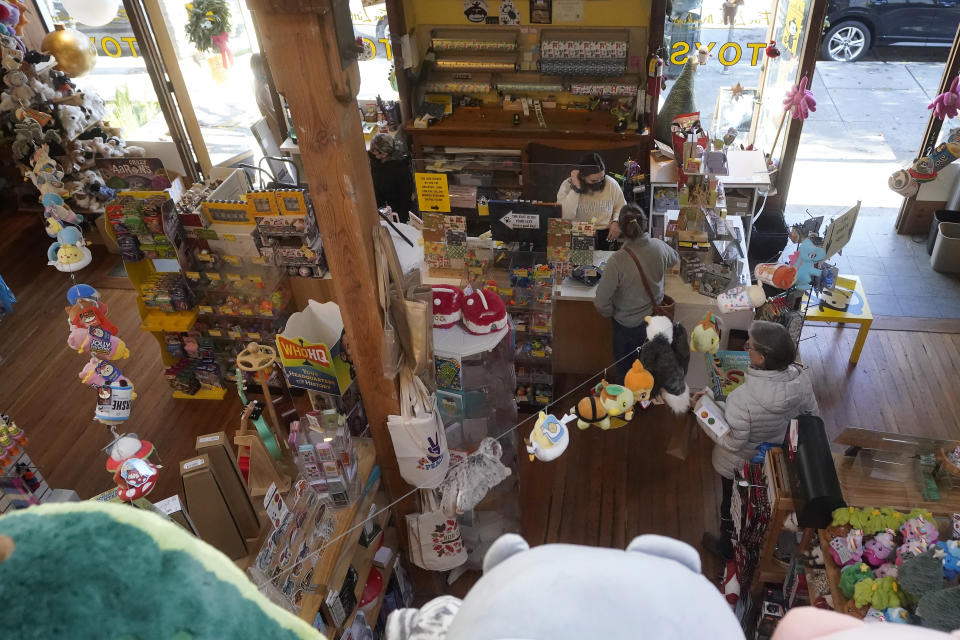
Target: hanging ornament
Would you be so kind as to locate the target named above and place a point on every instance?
(772, 51)
(75, 53)
(93, 13)
(207, 19)
(947, 103)
(800, 101)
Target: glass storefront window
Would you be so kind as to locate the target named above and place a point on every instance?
(376, 64)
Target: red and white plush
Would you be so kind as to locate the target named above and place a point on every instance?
(484, 312)
(447, 302)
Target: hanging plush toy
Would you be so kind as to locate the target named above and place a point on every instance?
(903, 183)
(805, 261)
(640, 382)
(69, 253)
(97, 373)
(549, 437)
(590, 411)
(99, 342)
(114, 402)
(7, 299)
(86, 313)
(53, 205)
(666, 355)
(618, 400)
(923, 169)
(466, 484)
(705, 337)
(800, 101)
(135, 479)
(947, 103)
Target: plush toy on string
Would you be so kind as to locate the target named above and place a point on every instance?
(7, 299)
(69, 253)
(466, 484)
(799, 103)
(666, 355)
(549, 438)
(85, 309)
(947, 104)
(208, 27)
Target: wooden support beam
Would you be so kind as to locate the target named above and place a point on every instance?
(299, 39)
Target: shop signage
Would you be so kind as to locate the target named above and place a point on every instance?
(838, 233)
(728, 53)
(521, 220)
(433, 194)
(310, 350)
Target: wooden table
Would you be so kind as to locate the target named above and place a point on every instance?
(857, 313)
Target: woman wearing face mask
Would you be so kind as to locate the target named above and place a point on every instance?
(392, 181)
(590, 194)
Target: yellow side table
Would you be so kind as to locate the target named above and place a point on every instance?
(857, 313)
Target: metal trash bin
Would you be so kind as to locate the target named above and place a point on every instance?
(942, 215)
(946, 252)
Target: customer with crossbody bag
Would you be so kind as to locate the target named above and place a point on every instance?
(632, 285)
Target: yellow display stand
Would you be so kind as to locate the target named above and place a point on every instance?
(857, 313)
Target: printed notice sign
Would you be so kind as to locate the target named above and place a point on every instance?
(839, 232)
(432, 192)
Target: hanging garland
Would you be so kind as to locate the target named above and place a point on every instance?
(206, 20)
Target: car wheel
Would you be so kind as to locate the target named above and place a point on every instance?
(846, 42)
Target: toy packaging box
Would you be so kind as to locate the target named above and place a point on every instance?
(312, 352)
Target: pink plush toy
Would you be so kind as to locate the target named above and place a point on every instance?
(886, 570)
(920, 529)
(99, 342)
(799, 101)
(947, 103)
(848, 550)
(878, 549)
(909, 549)
(97, 373)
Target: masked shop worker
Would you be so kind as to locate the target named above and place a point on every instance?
(589, 194)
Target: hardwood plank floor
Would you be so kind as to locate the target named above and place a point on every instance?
(608, 487)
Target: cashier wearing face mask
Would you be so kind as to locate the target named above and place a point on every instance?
(590, 194)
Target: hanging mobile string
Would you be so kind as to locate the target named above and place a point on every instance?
(523, 422)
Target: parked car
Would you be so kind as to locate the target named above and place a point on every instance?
(858, 25)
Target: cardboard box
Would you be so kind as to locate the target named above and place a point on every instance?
(310, 349)
(224, 465)
(207, 505)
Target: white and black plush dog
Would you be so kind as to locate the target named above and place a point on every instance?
(666, 355)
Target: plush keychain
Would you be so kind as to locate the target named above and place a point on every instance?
(549, 437)
(640, 382)
(53, 205)
(886, 569)
(847, 550)
(97, 373)
(86, 313)
(879, 548)
(617, 400)
(114, 402)
(666, 355)
(705, 337)
(99, 342)
(69, 253)
(590, 411)
(135, 479)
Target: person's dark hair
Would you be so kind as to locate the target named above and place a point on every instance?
(590, 164)
(773, 341)
(633, 221)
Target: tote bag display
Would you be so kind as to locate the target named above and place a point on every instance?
(419, 439)
(435, 542)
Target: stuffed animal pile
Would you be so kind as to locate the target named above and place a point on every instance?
(895, 566)
(40, 108)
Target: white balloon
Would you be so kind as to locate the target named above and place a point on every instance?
(93, 13)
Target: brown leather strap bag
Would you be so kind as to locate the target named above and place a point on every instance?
(666, 306)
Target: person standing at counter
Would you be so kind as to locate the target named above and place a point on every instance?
(392, 178)
(774, 392)
(632, 282)
(589, 194)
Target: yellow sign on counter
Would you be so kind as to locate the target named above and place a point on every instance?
(433, 193)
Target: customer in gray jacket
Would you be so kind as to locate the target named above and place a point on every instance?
(621, 293)
(774, 392)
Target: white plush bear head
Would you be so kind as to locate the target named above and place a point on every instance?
(93, 107)
(654, 589)
(72, 120)
(659, 326)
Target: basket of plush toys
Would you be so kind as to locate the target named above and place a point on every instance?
(897, 567)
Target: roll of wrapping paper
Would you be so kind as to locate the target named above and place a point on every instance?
(479, 65)
(460, 44)
(583, 67)
(456, 86)
(602, 89)
(515, 87)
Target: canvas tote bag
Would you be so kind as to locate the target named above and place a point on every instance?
(434, 538)
(419, 439)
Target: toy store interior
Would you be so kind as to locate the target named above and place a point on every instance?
(360, 320)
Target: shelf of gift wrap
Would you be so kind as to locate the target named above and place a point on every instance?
(457, 342)
(334, 561)
(468, 40)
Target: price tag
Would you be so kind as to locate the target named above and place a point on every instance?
(255, 279)
(193, 464)
(205, 308)
(192, 275)
(229, 237)
(258, 260)
(253, 336)
(231, 260)
(215, 277)
(234, 277)
(246, 312)
(236, 335)
(215, 333)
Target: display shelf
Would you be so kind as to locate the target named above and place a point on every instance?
(332, 566)
(372, 610)
(363, 564)
(168, 321)
(457, 342)
(217, 393)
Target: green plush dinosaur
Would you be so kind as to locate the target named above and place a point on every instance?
(851, 575)
(112, 571)
(879, 593)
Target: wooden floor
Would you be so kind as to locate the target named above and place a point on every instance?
(608, 487)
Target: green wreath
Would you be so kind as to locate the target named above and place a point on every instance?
(205, 19)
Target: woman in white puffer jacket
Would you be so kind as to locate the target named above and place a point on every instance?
(774, 392)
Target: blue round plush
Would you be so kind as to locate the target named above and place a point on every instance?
(78, 291)
(88, 571)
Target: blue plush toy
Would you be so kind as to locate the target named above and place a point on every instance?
(951, 558)
(69, 253)
(805, 260)
(7, 299)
